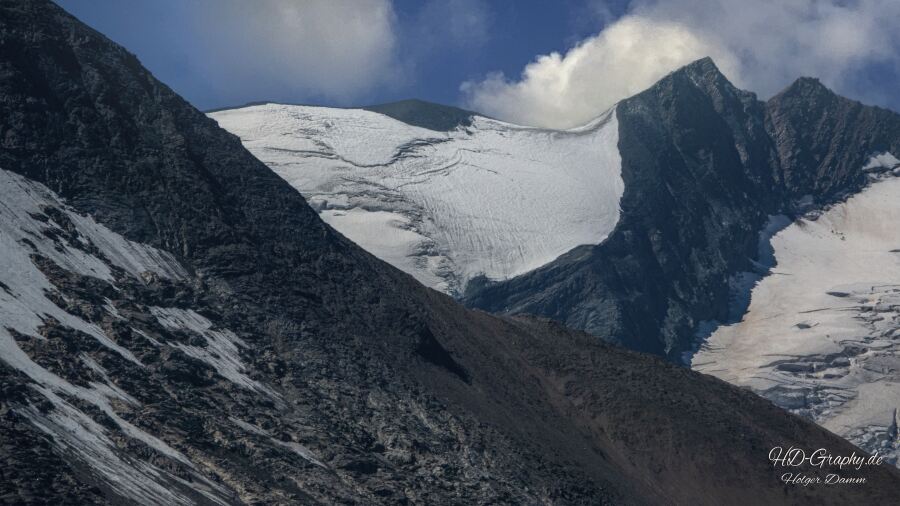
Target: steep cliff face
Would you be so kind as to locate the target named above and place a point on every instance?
(179, 327)
(704, 165)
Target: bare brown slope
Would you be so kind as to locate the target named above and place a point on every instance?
(690, 438)
(404, 395)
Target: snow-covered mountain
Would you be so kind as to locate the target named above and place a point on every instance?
(484, 199)
(705, 165)
(685, 178)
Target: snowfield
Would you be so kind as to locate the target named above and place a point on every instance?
(822, 333)
(490, 199)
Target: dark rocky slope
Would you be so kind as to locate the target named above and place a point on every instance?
(704, 164)
(396, 393)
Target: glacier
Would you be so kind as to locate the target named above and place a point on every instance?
(821, 336)
(489, 199)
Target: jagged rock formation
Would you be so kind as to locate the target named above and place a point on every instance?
(823, 140)
(180, 327)
(704, 164)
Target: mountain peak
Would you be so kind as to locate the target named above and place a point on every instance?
(705, 74)
(702, 74)
(807, 87)
(424, 114)
(704, 65)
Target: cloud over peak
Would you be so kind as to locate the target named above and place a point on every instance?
(760, 45)
(560, 91)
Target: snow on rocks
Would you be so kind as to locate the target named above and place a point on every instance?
(222, 350)
(34, 222)
(297, 448)
(490, 199)
(27, 229)
(881, 162)
(822, 333)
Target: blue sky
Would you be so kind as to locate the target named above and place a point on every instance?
(163, 34)
(544, 62)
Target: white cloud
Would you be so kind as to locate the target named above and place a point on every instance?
(780, 40)
(762, 45)
(561, 91)
(333, 49)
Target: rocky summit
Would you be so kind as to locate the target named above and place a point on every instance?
(178, 326)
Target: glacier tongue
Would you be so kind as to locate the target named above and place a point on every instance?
(491, 199)
(822, 333)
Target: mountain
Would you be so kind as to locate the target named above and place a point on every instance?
(820, 334)
(179, 326)
(711, 174)
(823, 140)
(679, 190)
(695, 159)
(632, 227)
(704, 166)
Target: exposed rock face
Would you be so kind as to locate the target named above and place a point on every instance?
(704, 164)
(823, 139)
(215, 342)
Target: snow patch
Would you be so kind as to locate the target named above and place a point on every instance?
(490, 199)
(391, 237)
(881, 161)
(297, 448)
(222, 350)
(79, 435)
(26, 230)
